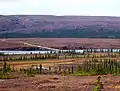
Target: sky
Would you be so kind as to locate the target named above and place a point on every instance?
(60, 7)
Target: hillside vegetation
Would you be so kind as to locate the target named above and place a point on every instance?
(59, 26)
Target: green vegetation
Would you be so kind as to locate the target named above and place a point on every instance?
(1, 54)
(65, 33)
(28, 57)
(6, 72)
(92, 63)
(99, 67)
(99, 85)
(31, 71)
(60, 55)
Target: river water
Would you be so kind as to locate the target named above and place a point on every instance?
(44, 52)
(35, 52)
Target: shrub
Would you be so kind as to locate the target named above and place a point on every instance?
(99, 85)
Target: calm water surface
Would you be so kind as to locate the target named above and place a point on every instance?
(35, 52)
(44, 52)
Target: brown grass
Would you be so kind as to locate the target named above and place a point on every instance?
(60, 42)
(62, 83)
(45, 63)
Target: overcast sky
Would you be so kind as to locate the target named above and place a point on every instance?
(61, 7)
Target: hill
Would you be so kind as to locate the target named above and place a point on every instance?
(47, 26)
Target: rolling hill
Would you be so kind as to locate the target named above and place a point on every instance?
(49, 26)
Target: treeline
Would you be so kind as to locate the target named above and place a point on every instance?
(99, 67)
(59, 55)
(90, 67)
(28, 57)
(65, 33)
(2, 54)
(24, 49)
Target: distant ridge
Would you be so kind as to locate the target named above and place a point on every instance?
(49, 26)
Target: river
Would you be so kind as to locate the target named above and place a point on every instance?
(35, 52)
(48, 51)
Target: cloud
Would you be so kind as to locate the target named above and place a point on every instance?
(9, 0)
(61, 7)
